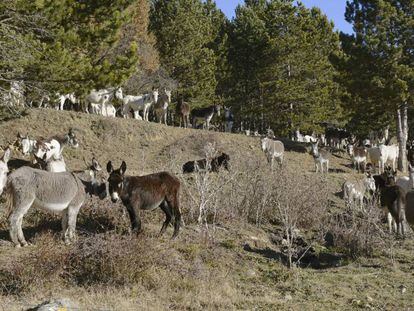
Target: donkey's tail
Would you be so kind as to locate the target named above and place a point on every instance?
(8, 195)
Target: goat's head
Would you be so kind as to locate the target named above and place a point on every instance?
(24, 143)
(116, 180)
(4, 169)
(72, 139)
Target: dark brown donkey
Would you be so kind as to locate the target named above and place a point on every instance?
(146, 193)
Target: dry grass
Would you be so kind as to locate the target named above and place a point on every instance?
(233, 258)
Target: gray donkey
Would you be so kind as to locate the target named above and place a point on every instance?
(63, 192)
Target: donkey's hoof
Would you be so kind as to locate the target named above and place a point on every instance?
(17, 246)
(26, 244)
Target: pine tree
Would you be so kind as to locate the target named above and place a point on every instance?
(184, 33)
(280, 54)
(378, 65)
(64, 45)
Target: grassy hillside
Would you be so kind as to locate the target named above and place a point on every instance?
(234, 260)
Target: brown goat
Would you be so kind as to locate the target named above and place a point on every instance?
(147, 193)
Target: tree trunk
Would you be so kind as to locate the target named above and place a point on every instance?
(402, 136)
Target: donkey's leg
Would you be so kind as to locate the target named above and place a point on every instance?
(135, 220)
(65, 231)
(174, 203)
(21, 206)
(168, 215)
(72, 211)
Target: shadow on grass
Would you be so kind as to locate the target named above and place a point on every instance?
(308, 258)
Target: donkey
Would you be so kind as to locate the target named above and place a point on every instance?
(147, 193)
(4, 169)
(392, 198)
(221, 161)
(55, 192)
(321, 157)
(161, 106)
(205, 114)
(183, 111)
(274, 149)
(358, 190)
(229, 120)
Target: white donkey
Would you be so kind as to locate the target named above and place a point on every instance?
(55, 192)
(139, 103)
(4, 169)
(274, 149)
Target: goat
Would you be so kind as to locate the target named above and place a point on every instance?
(214, 166)
(146, 193)
(407, 183)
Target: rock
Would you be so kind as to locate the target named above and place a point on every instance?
(62, 304)
(288, 297)
(403, 289)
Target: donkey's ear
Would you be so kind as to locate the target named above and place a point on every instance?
(123, 168)
(109, 167)
(6, 155)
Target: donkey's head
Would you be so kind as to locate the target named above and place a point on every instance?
(155, 94)
(315, 149)
(24, 143)
(369, 183)
(119, 93)
(98, 186)
(168, 94)
(4, 169)
(116, 180)
(264, 141)
(389, 176)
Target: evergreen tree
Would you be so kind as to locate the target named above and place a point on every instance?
(64, 45)
(280, 54)
(378, 65)
(184, 33)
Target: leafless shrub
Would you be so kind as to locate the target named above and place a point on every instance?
(357, 231)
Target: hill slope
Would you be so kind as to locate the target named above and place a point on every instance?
(229, 263)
